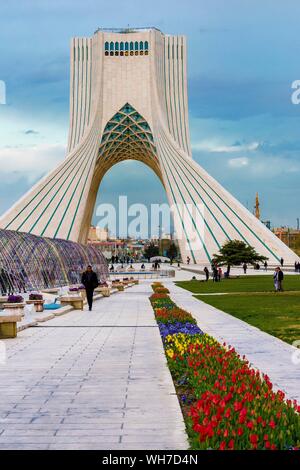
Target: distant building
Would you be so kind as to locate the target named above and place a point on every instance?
(289, 236)
(97, 234)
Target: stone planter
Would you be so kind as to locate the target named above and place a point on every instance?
(82, 292)
(38, 304)
(120, 287)
(76, 301)
(8, 325)
(53, 290)
(14, 309)
(105, 291)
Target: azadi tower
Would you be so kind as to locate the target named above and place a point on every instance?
(128, 100)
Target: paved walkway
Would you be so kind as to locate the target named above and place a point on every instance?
(94, 380)
(267, 353)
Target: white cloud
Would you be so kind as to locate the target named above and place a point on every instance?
(29, 162)
(238, 162)
(215, 147)
(262, 166)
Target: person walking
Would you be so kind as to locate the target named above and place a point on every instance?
(206, 272)
(188, 259)
(215, 273)
(245, 268)
(280, 280)
(275, 279)
(90, 281)
(281, 262)
(266, 266)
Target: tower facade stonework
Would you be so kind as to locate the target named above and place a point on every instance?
(128, 100)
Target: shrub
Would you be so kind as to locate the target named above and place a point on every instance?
(35, 296)
(15, 299)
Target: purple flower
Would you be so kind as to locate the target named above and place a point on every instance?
(15, 299)
(174, 328)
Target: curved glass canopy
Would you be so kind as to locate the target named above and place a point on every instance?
(29, 262)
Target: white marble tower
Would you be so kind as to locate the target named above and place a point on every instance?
(128, 100)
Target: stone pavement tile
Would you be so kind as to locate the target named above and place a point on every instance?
(78, 380)
(22, 446)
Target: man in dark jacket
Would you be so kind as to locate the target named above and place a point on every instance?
(90, 281)
(280, 279)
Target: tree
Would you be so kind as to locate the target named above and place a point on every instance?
(150, 251)
(236, 252)
(172, 251)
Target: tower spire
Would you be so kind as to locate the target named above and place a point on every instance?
(257, 209)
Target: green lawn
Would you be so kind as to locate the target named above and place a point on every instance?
(277, 313)
(263, 283)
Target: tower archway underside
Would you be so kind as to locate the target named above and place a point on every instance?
(127, 136)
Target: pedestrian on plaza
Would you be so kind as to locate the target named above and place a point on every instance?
(245, 268)
(215, 273)
(266, 266)
(90, 281)
(281, 261)
(275, 279)
(220, 274)
(188, 260)
(206, 272)
(280, 280)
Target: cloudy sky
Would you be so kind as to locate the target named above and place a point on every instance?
(243, 58)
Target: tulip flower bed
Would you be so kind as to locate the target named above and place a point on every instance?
(161, 301)
(225, 402)
(158, 288)
(168, 329)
